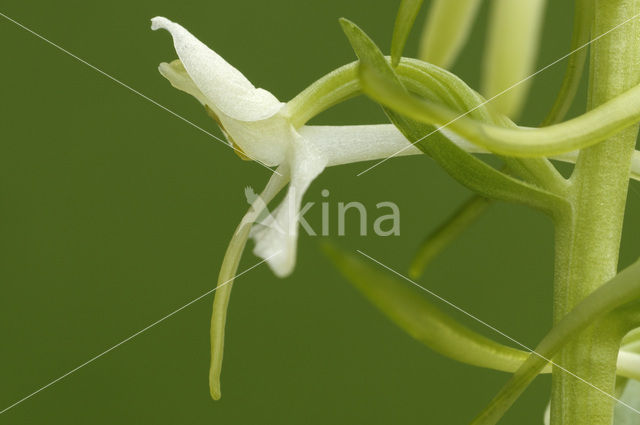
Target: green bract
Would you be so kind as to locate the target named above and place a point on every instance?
(423, 320)
(619, 299)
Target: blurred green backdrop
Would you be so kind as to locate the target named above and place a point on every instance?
(114, 213)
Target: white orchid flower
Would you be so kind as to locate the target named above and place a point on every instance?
(257, 125)
(261, 128)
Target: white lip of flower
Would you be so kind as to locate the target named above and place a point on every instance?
(255, 121)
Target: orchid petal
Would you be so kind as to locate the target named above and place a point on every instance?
(225, 87)
(277, 241)
(180, 79)
(249, 116)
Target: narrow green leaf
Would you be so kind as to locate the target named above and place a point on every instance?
(404, 21)
(415, 314)
(446, 30)
(446, 233)
(620, 295)
(582, 21)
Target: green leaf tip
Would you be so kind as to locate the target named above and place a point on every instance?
(405, 18)
(367, 51)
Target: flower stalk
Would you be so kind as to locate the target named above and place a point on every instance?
(588, 240)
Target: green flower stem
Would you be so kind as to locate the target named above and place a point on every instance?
(589, 240)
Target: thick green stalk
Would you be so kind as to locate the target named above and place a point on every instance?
(588, 241)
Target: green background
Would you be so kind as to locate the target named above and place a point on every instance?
(113, 213)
